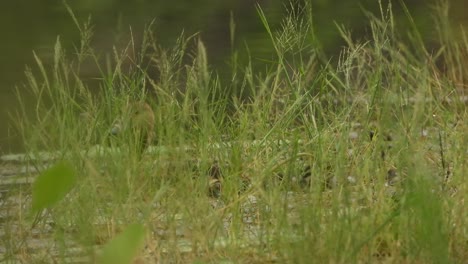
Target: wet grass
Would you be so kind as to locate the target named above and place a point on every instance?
(359, 159)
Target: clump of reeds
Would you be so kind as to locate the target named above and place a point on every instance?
(301, 178)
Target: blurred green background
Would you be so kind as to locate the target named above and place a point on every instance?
(31, 25)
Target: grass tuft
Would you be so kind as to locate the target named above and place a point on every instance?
(353, 159)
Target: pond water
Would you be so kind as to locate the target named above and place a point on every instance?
(28, 25)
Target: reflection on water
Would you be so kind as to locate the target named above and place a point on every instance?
(32, 25)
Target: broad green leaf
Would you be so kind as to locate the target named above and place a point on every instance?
(124, 247)
(52, 185)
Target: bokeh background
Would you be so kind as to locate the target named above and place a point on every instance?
(31, 25)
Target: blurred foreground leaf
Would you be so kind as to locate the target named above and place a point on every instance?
(124, 247)
(52, 185)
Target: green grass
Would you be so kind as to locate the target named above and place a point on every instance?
(298, 111)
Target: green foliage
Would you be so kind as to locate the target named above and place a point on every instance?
(124, 247)
(52, 185)
(358, 160)
(424, 212)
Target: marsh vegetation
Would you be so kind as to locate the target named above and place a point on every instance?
(357, 159)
